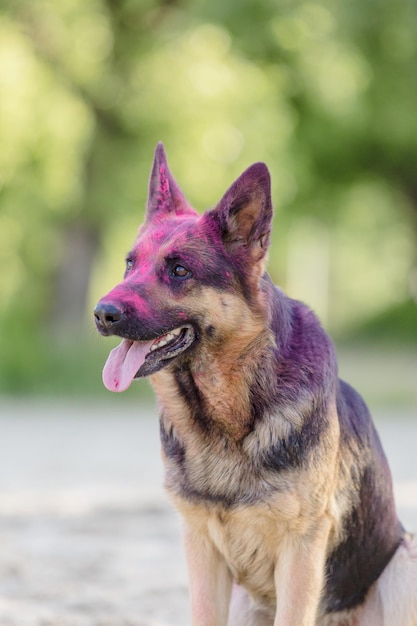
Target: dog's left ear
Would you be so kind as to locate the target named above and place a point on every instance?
(164, 195)
(245, 212)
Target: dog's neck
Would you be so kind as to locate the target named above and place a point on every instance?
(223, 388)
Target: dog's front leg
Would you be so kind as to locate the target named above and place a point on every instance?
(299, 576)
(210, 580)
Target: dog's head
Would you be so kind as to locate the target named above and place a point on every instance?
(186, 275)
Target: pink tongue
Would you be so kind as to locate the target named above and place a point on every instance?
(123, 362)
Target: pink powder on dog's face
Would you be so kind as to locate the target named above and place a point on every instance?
(126, 298)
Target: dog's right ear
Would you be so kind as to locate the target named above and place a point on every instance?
(164, 195)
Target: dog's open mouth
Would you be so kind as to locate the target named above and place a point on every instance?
(134, 359)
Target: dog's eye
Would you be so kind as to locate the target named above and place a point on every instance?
(129, 264)
(179, 271)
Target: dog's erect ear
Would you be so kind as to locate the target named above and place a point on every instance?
(245, 212)
(164, 195)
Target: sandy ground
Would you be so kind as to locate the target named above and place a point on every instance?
(87, 536)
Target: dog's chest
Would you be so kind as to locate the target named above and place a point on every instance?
(248, 538)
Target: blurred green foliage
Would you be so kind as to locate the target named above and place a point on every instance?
(324, 92)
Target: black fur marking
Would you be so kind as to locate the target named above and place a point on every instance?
(294, 451)
(207, 496)
(359, 560)
(173, 448)
(192, 395)
(372, 531)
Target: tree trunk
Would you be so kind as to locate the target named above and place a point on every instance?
(71, 284)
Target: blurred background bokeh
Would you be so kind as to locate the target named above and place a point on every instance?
(324, 92)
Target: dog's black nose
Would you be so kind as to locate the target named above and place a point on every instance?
(107, 315)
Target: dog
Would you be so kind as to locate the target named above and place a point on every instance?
(272, 461)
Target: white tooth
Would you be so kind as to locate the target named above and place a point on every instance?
(159, 343)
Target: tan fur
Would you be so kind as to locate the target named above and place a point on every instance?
(276, 551)
(263, 546)
(218, 373)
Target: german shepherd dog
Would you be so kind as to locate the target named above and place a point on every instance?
(273, 462)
